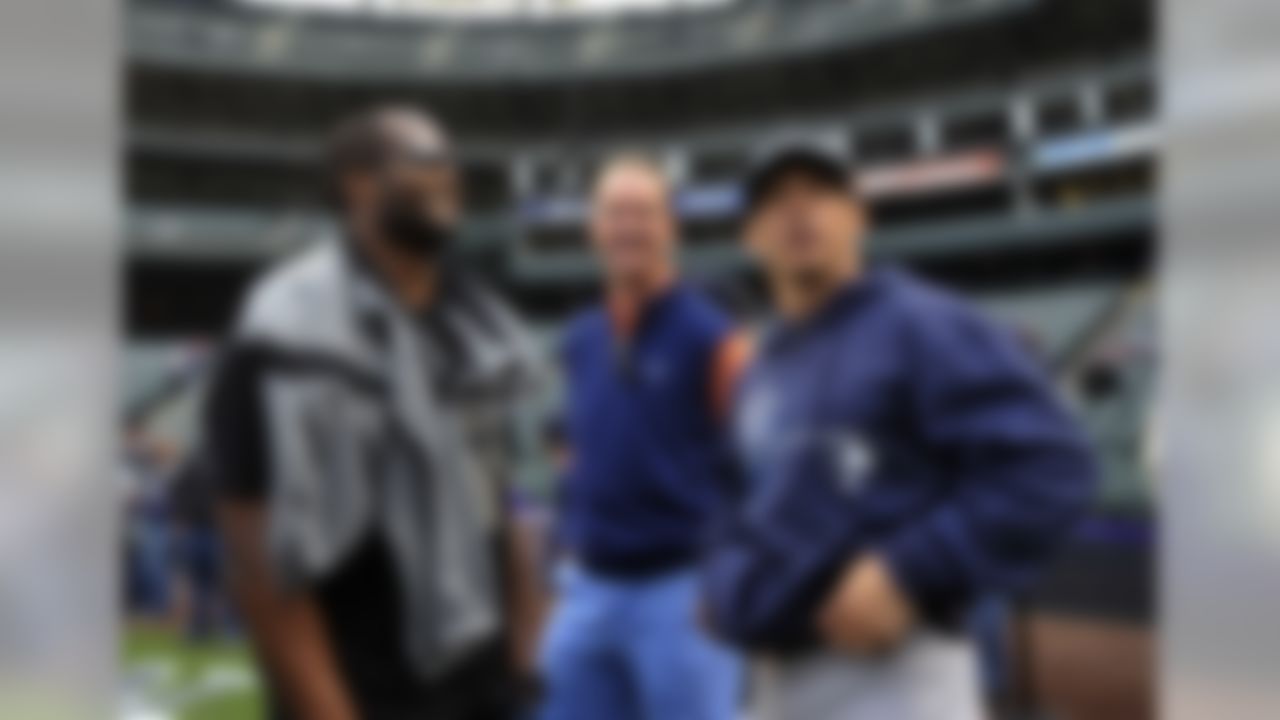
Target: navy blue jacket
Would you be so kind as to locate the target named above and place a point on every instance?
(648, 452)
(896, 420)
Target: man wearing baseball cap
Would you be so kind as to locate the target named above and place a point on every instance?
(901, 455)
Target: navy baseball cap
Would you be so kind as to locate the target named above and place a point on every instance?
(816, 160)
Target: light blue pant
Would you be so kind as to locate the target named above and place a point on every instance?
(634, 650)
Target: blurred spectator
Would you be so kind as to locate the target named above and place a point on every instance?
(149, 464)
(198, 553)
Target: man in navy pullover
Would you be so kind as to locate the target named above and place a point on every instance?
(901, 455)
(649, 374)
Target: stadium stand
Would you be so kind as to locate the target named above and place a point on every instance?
(1009, 148)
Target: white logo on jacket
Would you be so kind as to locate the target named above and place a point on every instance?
(853, 458)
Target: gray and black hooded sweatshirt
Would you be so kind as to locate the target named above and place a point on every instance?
(372, 421)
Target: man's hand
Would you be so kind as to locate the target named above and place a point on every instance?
(528, 601)
(866, 613)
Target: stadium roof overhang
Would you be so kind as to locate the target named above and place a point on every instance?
(312, 45)
(487, 9)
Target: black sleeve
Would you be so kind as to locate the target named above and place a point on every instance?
(234, 442)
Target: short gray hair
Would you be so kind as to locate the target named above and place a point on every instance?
(634, 160)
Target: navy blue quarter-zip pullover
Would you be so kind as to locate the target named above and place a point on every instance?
(895, 420)
(647, 447)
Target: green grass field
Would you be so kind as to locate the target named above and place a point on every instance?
(177, 680)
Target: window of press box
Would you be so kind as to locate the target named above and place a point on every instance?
(577, 176)
(718, 166)
(952, 205)
(984, 129)
(164, 180)
(556, 238)
(885, 143)
(1125, 180)
(1059, 115)
(707, 232)
(1130, 101)
(544, 178)
(487, 186)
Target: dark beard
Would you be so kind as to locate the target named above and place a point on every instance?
(812, 281)
(413, 231)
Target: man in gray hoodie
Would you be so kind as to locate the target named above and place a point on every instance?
(357, 435)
